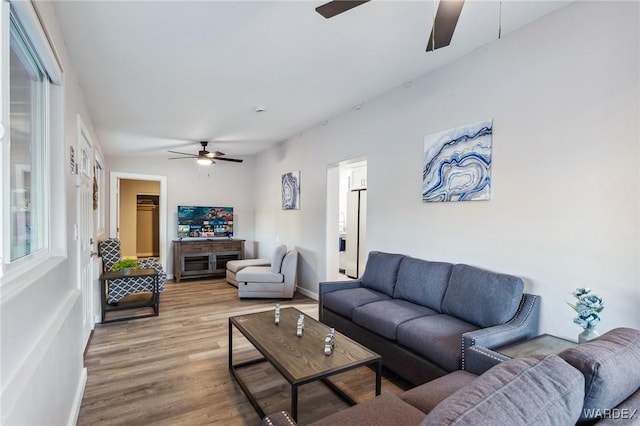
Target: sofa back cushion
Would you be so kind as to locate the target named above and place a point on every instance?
(422, 282)
(538, 390)
(277, 257)
(610, 365)
(381, 272)
(482, 297)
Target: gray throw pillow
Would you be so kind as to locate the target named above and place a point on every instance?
(538, 390)
(482, 297)
(422, 282)
(381, 272)
(611, 368)
(276, 258)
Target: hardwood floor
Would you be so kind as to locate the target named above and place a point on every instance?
(173, 369)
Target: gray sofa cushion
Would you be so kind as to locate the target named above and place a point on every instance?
(436, 337)
(482, 297)
(237, 265)
(276, 258)
(611, 368)
(260, 274)
(384, 410)
(422, 282)
(425, 397)
(541, 390)
(384, 317)
(344, 301)
(381, 271)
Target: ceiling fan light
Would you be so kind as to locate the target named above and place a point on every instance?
(204, 161)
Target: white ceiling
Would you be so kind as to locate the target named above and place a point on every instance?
(161, 75)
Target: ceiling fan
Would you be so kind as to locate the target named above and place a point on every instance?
(205, 157)
(444, 22)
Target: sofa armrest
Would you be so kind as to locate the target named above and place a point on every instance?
(281, 418)
(479, 359)
(329, 286)
(523, 325)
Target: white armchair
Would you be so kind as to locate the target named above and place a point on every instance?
(234, 266)
(276, 281)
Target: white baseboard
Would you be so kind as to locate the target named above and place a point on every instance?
(307, 293)
(77, 400)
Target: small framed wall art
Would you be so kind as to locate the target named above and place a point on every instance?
(291, 191)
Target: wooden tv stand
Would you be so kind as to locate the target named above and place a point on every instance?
(200, 258)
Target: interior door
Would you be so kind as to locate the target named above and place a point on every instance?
(85, 231)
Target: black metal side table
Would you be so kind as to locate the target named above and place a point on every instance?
(152, 301)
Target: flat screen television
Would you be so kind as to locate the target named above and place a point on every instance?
(205, 222)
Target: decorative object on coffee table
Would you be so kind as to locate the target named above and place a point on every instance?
(588, 307)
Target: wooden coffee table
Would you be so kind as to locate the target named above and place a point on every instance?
(299, 360)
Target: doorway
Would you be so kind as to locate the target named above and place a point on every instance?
(346, 251)
(126, 190)
(147, 225)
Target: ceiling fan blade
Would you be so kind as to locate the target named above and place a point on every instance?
(444, 23)
(215, 154)
(182, 158)
(181, 153)
(235, 160)
(336, 7)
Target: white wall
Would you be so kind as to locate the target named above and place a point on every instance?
(563, 93)
(222, 184)
(41, 345)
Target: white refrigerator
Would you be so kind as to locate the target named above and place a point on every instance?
(356, 233)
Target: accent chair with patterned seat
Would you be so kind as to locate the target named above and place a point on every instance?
(117, 289)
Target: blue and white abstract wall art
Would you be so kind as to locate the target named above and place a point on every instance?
(457, 164)
(291, 191)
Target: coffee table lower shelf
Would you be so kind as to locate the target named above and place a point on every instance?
(374, 361)
(294, 387)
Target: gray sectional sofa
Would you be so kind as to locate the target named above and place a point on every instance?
(422, 316)
(593, 383)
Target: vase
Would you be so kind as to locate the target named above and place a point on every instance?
(587, 335)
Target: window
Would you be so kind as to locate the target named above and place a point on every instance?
(27, 109)
(29, 69)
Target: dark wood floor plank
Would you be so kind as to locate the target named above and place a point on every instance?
(173, 369)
